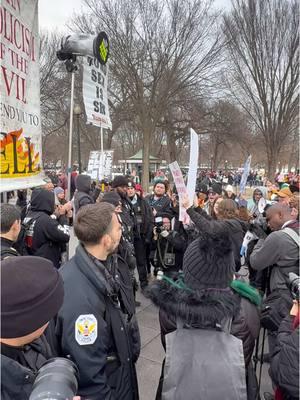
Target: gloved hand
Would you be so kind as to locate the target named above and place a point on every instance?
(164, 233)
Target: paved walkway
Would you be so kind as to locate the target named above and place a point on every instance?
(152, 352)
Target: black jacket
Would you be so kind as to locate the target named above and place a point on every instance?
(236, 230)
(285, 360)
(204, 311)
(17, 377)
(187, 306)
(84, 194)
(96, 326)
(7, 248)
(144, 218)
(48, 234)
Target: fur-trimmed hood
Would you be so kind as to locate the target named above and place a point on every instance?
(202, 308)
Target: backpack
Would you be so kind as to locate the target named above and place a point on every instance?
(204, 364)
(23, 244)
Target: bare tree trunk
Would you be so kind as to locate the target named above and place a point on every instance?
(146, 158)
(172, 150)
(273, 156)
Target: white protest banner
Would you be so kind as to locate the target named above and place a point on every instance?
(193, 165)
(20, 134)
(181, 190)
(100, 167)
(245, 175)
(94, 89)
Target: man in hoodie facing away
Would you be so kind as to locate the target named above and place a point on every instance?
(84, 195)
(45, 236)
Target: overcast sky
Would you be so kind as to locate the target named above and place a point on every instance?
(54, 14)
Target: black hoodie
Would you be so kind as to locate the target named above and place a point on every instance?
(48, 234)
(84, 195)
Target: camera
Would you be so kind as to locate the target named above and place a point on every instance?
(158, 223)
(57, 379)
(294, 285)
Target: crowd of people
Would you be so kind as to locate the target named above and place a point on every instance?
(211, 315)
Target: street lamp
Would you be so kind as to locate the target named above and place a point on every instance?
(77, 112)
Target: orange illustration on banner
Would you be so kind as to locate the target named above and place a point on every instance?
(18, 156)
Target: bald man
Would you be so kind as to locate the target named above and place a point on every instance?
(281, 248)
(280, 251)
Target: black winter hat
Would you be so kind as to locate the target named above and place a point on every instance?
(119, 181)
(216, 187)
(31, 294)
(112, 198)
(83, 183)
(209, 262)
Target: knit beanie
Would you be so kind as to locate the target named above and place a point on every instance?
(209, 262)
(111, 198)
(58, 190)
(31, 294)
(216, 187)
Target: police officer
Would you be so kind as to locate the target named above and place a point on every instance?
(144, 218)
(96, 326)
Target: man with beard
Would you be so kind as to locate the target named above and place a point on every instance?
(96, 326)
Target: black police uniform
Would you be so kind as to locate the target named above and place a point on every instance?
(144, 218)
(96, 326)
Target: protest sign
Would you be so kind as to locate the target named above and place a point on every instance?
(193, 165)
(181, 190)
(100, 165)
(245, 174)
(20, 135)
(94, 90)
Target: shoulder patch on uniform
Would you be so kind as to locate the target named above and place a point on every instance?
(86, 329)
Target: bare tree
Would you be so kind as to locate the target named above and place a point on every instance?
(158, 49)
(263, 45)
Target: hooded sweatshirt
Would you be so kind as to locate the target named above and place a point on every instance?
(253, 205)
(47, 234)
(84, 195)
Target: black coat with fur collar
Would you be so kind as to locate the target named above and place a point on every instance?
(205, 309)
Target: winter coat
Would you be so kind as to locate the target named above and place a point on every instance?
(204, 311)
(84, 194)
(96, 326)
(245, 323)
(281, 252)
(48, 234)
(236, 230)
(285, 360)
(16, 378)
(144, 217)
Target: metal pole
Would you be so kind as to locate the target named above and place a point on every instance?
(102, 152)
(78, 144)
(70, 136)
